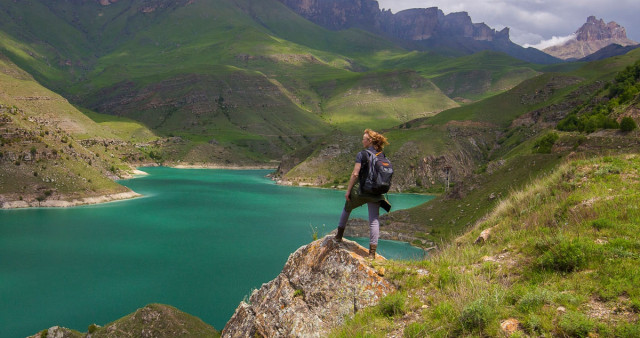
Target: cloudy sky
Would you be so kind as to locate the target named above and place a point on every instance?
(537, 23)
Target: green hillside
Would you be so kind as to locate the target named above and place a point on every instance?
(559, 259)
(249, 77)
(485, 149)
(42, 152)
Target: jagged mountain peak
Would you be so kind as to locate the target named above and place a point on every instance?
(596, 29)
(592, 36)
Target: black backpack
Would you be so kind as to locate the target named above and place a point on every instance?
(379, 173)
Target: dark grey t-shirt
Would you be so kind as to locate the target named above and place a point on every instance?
(363, 159)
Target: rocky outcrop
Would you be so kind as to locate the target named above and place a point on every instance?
(321, 284)
(590, 38)
(596, 30)
(154, 320)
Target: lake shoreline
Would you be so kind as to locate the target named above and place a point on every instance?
(67, 202)
(62, 203)
(220, 166)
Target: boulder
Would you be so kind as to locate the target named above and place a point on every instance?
(320, 284)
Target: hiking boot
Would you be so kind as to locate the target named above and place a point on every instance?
(372, 250)
(384, 204)
(338, 237)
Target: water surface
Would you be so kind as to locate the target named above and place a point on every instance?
(199, 240)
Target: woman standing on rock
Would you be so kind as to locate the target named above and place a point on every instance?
(373, 142)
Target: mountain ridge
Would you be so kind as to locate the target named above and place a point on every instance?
(417, 28)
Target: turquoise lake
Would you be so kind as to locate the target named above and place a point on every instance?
(199, 240)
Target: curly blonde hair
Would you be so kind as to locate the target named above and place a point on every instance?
(378, 140)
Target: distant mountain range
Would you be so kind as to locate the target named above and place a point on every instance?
(593, 36)
(417, 28)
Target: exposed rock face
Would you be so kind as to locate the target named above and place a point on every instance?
(336, 14)
(591, 37)
(413, 24)
(596, 30)
(320, 284)
(107, 2)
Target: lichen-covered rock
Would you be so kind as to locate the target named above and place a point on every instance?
(320, 284)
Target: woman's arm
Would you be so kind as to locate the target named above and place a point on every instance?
(353, 179)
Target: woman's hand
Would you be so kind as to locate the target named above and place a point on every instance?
(352, 180)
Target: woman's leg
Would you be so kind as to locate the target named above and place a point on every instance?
(374, 223)
(342, 224)
(344, 217)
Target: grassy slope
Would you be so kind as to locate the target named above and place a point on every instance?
(471, 77)
(469, 137)
(46, 127)
(561, 260)
(512, 164)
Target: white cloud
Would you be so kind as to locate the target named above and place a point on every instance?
(554, 41)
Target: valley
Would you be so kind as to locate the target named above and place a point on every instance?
(92, 90)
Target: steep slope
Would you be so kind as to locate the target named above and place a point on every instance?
(51, 153)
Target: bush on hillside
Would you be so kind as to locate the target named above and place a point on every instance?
(627, 124)
(476, 315)
(564, 255)
(544, 144)
(576, 324)
(393, 304)
(622, 90)
(627, 84)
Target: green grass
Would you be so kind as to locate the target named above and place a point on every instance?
(122, 128)
(561, 260)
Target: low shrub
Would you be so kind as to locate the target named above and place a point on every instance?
(534, 325)
(628, 124)
(534, 300)
(93, 328)
(576, 324)
(393, 304)
(544, 144)
(628, 330)
(443, 312)
(416, 330)
(565, 255)
(602, 223)
(476, 315)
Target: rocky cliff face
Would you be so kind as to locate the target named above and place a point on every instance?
(591, 37)
(596, 30)
(320, 284)
(413, 24)
(336, 14)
